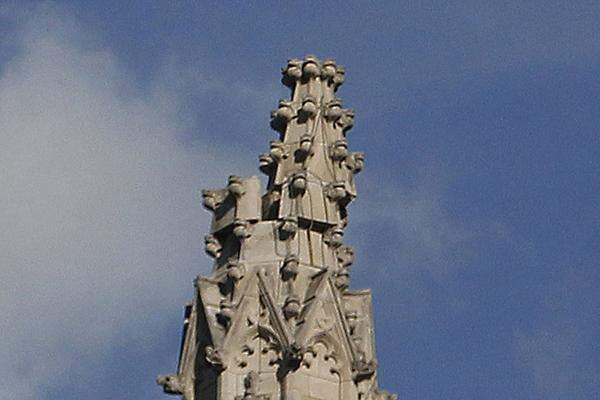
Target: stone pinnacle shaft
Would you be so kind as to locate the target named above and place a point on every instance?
(276, 318)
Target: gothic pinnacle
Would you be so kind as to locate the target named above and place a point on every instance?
(276, 318)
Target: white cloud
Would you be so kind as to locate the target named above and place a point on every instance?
(558, 352)
(408, 227)
(102, 225)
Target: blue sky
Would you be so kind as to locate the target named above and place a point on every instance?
(477, 223)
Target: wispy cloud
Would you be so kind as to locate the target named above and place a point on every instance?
(101, 220)
(407, 227)
(559, 353)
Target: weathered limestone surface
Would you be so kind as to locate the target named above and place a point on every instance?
(276, 318)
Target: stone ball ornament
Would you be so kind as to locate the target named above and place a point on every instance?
(266, 163)
(235, 271)
(309, 106)
(235, 185)
(311, 67)
(209, 200)
(336, 191)
(292, 307)
(241, 229)
(277, 151)
(339, 150)
(212, 246)
(334, 237)
(333, 110)
(329, 69)
(289, 226)
(285, 111)
(305, 146)
(299, 182)
(290, 267)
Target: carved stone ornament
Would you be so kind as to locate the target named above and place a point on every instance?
(277, 317)
(213, 246)
(235, 186)
(171, 384)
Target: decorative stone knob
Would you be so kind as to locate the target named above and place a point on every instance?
(293, 71)
(311, 67)
(342, 280)
(289, 226)
(345, 256)
(299, 182)
(328, 70)
(308, 358)
(235, 270)
(334, 110)
(339, 150)
(226, 311)
(285, 111)
(235, 186)
(212, 246)
(352, 319)
(305, 144)
(292, 307)
(266, 163)
(290, 267)
(241, 228)
(336, 190)
(309, 106)
(213, 356)
(339, 77)
(355, 162)
(334, 237)
(171, 384)
(278, 151)
(209, 200)
(346, 121)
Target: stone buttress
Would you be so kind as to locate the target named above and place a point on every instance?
(276, 318)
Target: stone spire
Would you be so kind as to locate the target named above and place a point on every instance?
(276, 318)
